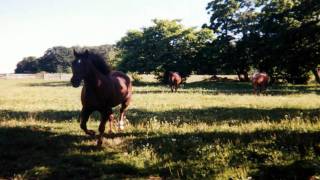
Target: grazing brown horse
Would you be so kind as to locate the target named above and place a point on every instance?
(103, 89)
(174, 81)
(260, 82)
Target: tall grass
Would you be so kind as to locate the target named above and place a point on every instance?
(216, 130)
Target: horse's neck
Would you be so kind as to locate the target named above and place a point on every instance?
(95, 77)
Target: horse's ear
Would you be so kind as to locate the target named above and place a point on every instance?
(75, 52)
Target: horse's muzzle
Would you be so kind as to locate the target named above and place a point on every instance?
(75, 82)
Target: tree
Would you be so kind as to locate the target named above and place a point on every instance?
(27, 65)
(280, 37)
(232, 20)
(165, 46)
(58, 59)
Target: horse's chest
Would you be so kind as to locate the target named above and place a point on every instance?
(100, 99)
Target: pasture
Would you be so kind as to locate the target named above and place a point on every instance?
(216, 130)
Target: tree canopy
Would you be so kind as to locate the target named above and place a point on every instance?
(165, 46)
(280, 37)
(58, 59)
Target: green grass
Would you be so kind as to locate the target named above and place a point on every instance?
(215, 130)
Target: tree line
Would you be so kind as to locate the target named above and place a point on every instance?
(58, 59)
(280, 37)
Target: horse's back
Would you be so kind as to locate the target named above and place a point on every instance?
(119, 74)
(260, 78)
(124, 82)
(175, 78)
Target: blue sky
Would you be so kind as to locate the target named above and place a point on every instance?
(29, 27)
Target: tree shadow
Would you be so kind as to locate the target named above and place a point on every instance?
(51, 84)
(205, 87)
(34, 150)
(198, 154)
(47, 115)
(216, 87)
(233, 116)
(211, 115)
(36, 153)
(246, 88)
(145, 83)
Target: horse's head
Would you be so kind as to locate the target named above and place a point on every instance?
(79, 68)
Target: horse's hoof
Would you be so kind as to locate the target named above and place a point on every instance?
(90, 132)
(121, 126)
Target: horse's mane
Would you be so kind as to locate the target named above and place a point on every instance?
(99, 63)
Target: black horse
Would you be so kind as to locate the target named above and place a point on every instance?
(103, 89)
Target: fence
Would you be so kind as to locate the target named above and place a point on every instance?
(45, 76)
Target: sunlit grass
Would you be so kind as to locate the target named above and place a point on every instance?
(206, 130)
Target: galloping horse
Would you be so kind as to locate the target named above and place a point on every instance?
(259, 82)
(174, 80)
(103, 89)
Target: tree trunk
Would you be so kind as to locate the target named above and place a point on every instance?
(316, 75)
(246, 76)
(239, 76)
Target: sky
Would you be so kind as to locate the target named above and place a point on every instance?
(30, 27)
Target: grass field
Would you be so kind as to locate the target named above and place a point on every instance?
(214, 130)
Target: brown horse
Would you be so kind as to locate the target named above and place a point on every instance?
(103, 89)
(260, 82)
(174, 81)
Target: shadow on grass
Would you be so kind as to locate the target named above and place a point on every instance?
(206, 154)
(47, 115)
(51, 84)
(206, 87)
(234, 115)
(34, 153)
(242, 88)
(246, 88)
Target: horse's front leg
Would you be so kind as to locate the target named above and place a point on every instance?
(123, 109)
(84, 116)
(104, 117)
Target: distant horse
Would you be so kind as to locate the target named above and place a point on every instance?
(174, 81)
(103, 89)
(260, 82)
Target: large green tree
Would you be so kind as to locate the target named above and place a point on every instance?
(165, 46)
(280, 37)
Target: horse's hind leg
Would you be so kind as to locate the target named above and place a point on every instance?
(84, 116)
(254, 89)
(123, 109)
(104, 117)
